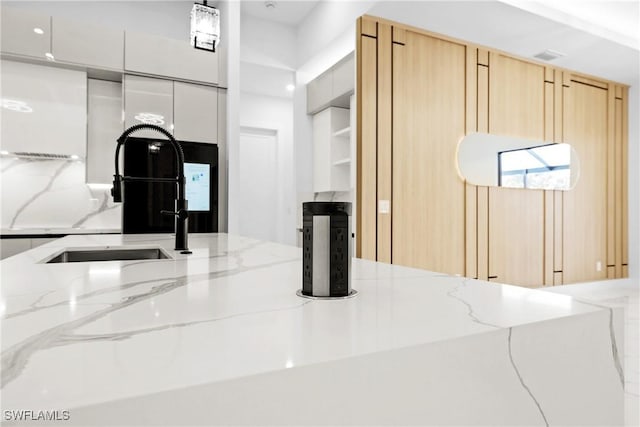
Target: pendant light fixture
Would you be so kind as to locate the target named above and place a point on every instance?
(205, 26)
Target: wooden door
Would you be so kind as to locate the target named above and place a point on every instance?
(428, 122)
(516, 216)
(585, 207)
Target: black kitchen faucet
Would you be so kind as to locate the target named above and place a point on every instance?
(181, 213)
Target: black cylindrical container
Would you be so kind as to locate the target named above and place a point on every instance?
(327, 249)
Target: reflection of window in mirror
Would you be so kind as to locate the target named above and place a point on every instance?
(506, 161)
(543, 167)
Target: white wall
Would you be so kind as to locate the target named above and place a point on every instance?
(265, 66)
(327, 31)
(271, 113)
(230, 28)
(324, 37)
(267, 43)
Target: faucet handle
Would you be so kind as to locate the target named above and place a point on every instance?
(116, 190)
(181, 214)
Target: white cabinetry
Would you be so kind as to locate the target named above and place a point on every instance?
(333, 87)
(148, 100)
(195, 112)
(344, 76)
(87, 44)
(331, 150)
(25, 32)
(188, 111)
(11, 247)
(103, 129)
(45, 109)
(145, 53)
(319, 92)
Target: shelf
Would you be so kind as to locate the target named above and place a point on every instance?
(342, 162)
(343, 132)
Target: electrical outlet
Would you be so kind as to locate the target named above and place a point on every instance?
(339, 266)
(384, 206)
(598, 266)
(306, 256)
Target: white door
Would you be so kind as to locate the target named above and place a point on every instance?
(258, 184)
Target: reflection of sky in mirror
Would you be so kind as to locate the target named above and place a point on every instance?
(540, 157)
(555, 154)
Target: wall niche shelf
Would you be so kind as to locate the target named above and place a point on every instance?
(345, 132)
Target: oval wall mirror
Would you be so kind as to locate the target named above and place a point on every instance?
(502, 161)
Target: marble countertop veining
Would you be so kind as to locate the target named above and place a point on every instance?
(83, 333)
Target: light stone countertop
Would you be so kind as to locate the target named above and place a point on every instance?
(78, 334)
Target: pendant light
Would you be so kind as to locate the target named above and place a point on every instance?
(205, 26)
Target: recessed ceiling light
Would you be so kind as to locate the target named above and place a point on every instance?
(290, 87)
(549, 55)
(49, 56)
(39, 31)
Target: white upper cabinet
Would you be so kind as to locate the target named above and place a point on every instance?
(145, 53)
(344, 77)
(25, 32)
(87, 44)
(103, 129)
(319, 92)
(333, 87)
(44, 109)
(148, 100)
(195, 112)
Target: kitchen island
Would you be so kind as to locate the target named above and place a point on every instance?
(220, 337)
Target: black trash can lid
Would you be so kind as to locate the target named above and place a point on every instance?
(326, 208)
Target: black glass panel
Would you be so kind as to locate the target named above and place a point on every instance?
(143, 201)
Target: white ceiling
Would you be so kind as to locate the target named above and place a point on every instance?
(289, 12)
(618, 21)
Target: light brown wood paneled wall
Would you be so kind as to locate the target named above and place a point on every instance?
(419, 94)
(516, 227)
(585, 206)
(366, 145)
(428, 200)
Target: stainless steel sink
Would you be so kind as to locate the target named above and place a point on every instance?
(108, 254)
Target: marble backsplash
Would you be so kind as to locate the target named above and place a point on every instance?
(53, 194)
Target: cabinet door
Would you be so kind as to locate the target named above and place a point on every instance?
(344, 77)
(161, 56)
(87, 44)
(148, 100)
(45, 109)
(18, 35)
(319, 92)
(516, 225)
(195, 112)
(104, 126)
(585, 206)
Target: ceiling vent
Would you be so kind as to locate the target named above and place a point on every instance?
(549, 55)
